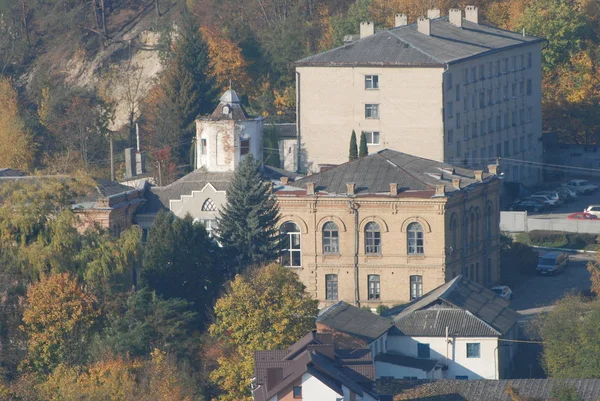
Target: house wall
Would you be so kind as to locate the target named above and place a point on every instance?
(384, 369)
(331, 103)
(314, 389)
(287, 394)
(443, 259)
(193, 203)
(454, 354)
(476, 149)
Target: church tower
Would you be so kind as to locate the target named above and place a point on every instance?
(228, 135)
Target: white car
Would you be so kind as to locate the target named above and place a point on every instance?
(503, 291)
(593, 209)
(582, 186)
(547, 199)
(552, 195)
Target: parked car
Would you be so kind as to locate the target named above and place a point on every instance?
(529, 205)
(503, 291)
(552, 263)
(593, 209)
(547, 199)
(553, 195)
(582, 186)
(582, 216)
(566, 193)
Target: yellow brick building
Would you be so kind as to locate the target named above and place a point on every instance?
(389, 227)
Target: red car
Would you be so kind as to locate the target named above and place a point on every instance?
(582, 216)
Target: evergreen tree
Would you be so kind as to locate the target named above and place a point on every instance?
(181, 261)
(353, 155)
(247, 223)
(363, 150)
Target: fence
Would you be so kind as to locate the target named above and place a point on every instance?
(520, 222)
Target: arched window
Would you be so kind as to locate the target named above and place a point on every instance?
(291, 255)
(488, 222)
(466, 231)
(209, 206)
(331, 238)
(415, 239)
(472, 230)
(477, 223)
(372, 238)
(454, 233)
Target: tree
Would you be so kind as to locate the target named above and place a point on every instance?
(17, 147)
(363, 150)
(266, 308)
(594, 269)
(57, 320)
(353, 153)
(246, 226)
(350, 24)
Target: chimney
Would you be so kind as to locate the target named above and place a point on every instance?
(433, 13)
(424, 26)
(274, 376)
(350, 188)
(456, 183)
(440, 190)
(140, 163)
(400, 20)
(472, 14)
(455, 17)
(310, 188)
(493, 169)
(393, 189)
(130, 170)
(367, 28)
(284, 180)
(478, 175)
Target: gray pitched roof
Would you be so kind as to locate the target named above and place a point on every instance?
(349, 319)
(283, 130)
(405, 46)
(468, 308)
(374, 173)
(393, 358)
(490, 390)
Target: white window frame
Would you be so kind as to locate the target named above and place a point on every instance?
(371, 135)
(371, 82)
(372, 111)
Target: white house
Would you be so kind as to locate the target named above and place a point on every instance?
(460, 330)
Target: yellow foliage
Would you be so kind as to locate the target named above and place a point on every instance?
(17, 147)
(326, 39)
(285, 100)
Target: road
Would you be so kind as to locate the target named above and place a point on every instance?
(537, 293)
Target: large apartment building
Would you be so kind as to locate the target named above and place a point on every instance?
(445, 88)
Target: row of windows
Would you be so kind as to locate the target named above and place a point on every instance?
(497, 68)
(473, 350)
(373, 286)
(291, 251)
(470, 102)
(521, 144)
(475, 128)
(244, 146)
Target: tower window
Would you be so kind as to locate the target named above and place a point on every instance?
(244, 146)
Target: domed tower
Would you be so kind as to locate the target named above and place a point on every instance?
(228, 135)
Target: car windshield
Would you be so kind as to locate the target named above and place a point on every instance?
(546, 261)
(497, 290)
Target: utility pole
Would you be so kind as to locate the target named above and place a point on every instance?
(159, 174)
(112, 161)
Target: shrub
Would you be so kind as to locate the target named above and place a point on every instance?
(548, 238)
(382, 309)
(579, 241)
(516, 260)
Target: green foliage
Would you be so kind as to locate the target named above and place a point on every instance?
(363, 150)
(563, 392)
(181, 261)
(554, 239)
(547, 238)
(246, 227)
(382, 309)
(271, 147)
(353, 152)
(350, 24)
(562, 24)
(267, 308)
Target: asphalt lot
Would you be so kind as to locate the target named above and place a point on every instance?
(576, 205)
(536, 293)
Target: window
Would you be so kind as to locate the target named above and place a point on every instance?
(481, 99)
(423, 351)
(488, 222)
(522, 116)
(450, 136)
(466, 75)
(449, 82)
(331, 286)
(474, 102)
(474, 74)
(529, 60)
(457, 120)
(374, 287)
(490, 96)
(416, 287)
(466, 229)
(482, 128)
(498, 123)
(529, 87)
(466, 132)
(506, 150)
(498, 94)
(457, 93)
(490, 64)
(505, 66)
(474, 129)
(331, 240)
(454, 230)
(290, 240)
(482, 155)
(297, 391)
(490, 124)
(473, 350)
(506, 122)
(372, 238)
(372, 137)
(498, 149)
(372, 82)
(529, 114)
(415, 239)
(482, 72)
(522, 144)
(466, 102)
(449, 110)
(209, 206)
(372, 111)
(244, 146)
(514, 89)
(204, 146)
(458, 152)
(497, 67)
(514, 63)
(521, 88)
(515, 145)
(506, 92)
(522, 64)
(514, 118)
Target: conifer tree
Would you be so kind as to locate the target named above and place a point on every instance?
(363, 150)
(353, 155)
(246, 226)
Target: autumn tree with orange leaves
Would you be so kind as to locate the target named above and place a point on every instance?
(17, 146)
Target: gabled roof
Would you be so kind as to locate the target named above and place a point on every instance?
(467, 308)
(374, 173)
(357, 322)
(405, 46)
(491, 390)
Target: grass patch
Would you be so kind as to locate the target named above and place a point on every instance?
(554, 239)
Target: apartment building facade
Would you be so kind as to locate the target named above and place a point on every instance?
(446, 88)
(388, 228)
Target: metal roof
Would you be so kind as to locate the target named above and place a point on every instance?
(405, 46)
(374, 173)
(433, 323)
(283, 130)
(357, 322)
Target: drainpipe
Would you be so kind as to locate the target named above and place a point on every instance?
(299, 147)
(354, 209)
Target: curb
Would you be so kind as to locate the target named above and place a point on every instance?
(564, 249)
